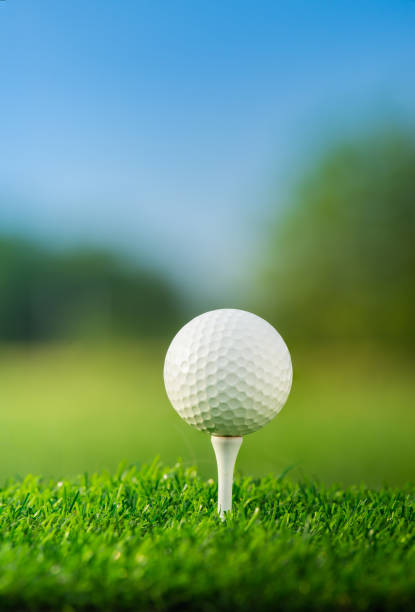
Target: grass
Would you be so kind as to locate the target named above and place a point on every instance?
(150, 539)
(65, 409)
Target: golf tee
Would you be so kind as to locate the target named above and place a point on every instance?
(226, 450)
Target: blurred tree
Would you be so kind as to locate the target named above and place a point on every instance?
(342, 259)
(46, 295)
(20, 265)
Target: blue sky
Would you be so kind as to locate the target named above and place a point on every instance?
(158, 127)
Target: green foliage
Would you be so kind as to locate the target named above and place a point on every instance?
(343, 257)
(47, 294)
(150, 539)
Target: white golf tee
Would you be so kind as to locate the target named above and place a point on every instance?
(226, 450)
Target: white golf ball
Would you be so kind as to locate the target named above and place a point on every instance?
(228, 372)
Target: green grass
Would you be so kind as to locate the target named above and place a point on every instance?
(150, 539)
(65, 409)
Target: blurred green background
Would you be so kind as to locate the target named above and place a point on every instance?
(132, 200)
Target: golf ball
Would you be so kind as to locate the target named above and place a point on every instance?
(228, 372)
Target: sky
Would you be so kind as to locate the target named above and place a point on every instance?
(160, 128)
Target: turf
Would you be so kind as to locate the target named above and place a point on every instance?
(66, 409)
(150, 539)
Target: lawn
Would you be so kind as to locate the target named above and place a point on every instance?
(150, 539)
(66, 409)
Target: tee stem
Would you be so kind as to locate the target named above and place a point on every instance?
(226, 450)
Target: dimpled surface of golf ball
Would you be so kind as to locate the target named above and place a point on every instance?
(228, 372)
